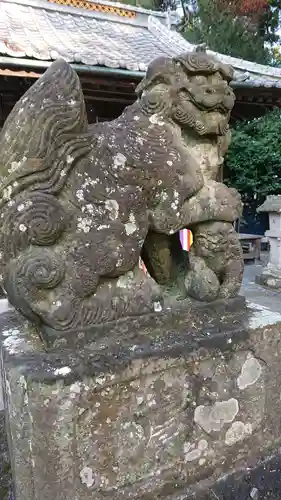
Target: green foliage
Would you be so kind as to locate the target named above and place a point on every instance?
(269, 23)
(225, 33)
(253, 162)
(276, 56)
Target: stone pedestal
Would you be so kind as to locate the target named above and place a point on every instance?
(160, 413)
(271, 275)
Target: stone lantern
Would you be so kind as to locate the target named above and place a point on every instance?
(271, 275)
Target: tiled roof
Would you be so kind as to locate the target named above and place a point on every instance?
(43, 30)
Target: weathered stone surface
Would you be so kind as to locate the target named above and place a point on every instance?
(141, 420)
(270, 278)
(80, 204)
(5, 469)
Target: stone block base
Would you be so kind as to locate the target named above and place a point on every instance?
(146, 417)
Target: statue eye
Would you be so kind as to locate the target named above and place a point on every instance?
(210, 90)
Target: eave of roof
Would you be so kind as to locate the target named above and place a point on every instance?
(16, 62)
(140, 18)
(33, 33)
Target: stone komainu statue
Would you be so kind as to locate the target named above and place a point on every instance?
(80, 203)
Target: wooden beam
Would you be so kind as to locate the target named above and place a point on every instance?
(108, 82)
(19, 73)
(108, 99)
(88, 91)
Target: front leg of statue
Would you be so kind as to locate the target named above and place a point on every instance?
(214, 202)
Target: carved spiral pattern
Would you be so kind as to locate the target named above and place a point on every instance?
(40, 269)
(200, 127)
(184, 117)
(46, 220)
(196, 62)
(37, 219)
(155, 103)
(32, 271)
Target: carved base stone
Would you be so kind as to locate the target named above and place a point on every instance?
(153, 415)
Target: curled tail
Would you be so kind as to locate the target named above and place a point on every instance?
(43, 138)
(47, 126)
